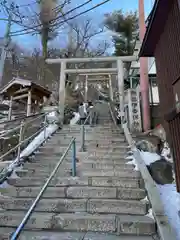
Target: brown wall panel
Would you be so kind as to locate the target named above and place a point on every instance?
(167, 55)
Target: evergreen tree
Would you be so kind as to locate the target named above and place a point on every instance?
(124, 27)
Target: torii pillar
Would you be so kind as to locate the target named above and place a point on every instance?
(86, 88)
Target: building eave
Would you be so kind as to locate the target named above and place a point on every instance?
(157, 20)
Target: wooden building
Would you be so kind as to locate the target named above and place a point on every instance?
(25, 92)
(162, 41)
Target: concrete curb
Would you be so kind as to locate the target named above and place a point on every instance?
(165, 230)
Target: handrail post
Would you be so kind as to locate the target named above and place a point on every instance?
(45, 121)
(83, 138)
(74, 158)
(20, 140)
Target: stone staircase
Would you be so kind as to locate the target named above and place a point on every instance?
(104, 116)
(104, 201)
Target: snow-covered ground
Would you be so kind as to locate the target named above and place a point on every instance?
(169, 196)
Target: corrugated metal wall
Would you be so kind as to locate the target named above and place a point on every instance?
(167, 55)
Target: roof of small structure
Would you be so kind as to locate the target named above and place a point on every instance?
(4, 107)
(156, 24)
(16, 83)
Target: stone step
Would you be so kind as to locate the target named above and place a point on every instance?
(54, 151)
(97, 127)
(96, 147)
(101, 161)
(110, 173)
(97, 136)
(108, 145)
(81, 164)
(5, 234)
(66, 205)
(47, 158)
(44, 165)
(77, 192)
(123, 224)
(90, 149)
(58, 141)
(111, 152)
(47, 167)
(44, 172)
(53, 154)
(104, 192)
(91, 154)
(106, 158)
(85, 163)
(121, 166)
(106, 151)
(41, 170)
(70, 181)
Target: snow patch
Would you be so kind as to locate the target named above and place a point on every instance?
(145, 200)
(36, 142)
(149, 157)
(166, 153)
(171, 202)
(75, 119)
(5, 185)
(150, 214)
(169, 196)
(133, 162)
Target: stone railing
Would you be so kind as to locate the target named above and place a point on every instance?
(165, 230)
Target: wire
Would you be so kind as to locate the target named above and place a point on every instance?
(71, 18)
(79, 6)
(28, 5)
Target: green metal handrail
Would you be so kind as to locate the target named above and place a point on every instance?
(31, 209)
(112, 113)
(8, 131)
(21, 141)
(82, 149)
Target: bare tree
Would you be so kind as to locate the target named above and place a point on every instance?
(84, 38)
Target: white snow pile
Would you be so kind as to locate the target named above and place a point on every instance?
(169, 196)
(166, 153)
(171, 202)
(132, 162)
(35, 143)
(149, 157)
(75, 119)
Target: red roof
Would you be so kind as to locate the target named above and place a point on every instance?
(155, 27)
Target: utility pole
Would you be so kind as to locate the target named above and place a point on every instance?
(144, 80)
(4, 48)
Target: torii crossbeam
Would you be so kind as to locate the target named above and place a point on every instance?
(119, 70)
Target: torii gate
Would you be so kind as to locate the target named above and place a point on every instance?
(119, 70)
(103, 77)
